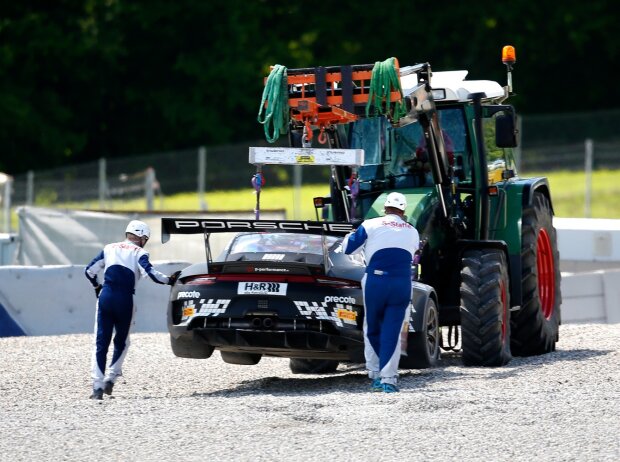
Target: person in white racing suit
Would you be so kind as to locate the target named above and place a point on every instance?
(389, 244)
(123, 264)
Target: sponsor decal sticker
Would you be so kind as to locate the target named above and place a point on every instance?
(392, 224)
(213, 307)
(336, 299)
(340, 315)
(188, 311)
(190, 294)
(262, 288)
(271, 270)
(346, 314)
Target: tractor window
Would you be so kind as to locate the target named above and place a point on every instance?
(452, 123)
(455, 138)
(405, 142)
(498, 159)
(400, 152)
(410, 163)
(369, 135)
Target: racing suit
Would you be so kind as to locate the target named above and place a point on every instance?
(124, 263)
(389, 244)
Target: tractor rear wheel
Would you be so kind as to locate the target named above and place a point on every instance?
(313, 366)
(535, 327)
(485, 308)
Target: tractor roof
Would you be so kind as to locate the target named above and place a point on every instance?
(455, 87)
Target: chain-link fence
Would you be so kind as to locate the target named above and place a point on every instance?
(604, 155)
(98, 184)
(566, 141)
(549, 142)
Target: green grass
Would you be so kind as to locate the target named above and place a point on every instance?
(276, 198)
(567, 191)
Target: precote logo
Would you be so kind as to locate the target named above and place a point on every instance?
(336, 299)
(191, 294)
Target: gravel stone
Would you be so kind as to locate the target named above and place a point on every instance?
(563, 406)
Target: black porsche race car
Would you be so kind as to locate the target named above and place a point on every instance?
(283, 288)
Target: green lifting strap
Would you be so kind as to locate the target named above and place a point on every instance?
(274, 114)
(383, 79)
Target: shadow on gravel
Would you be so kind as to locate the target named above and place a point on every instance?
(310, 385)
(454, 359)
(519, 364)
(558, 356)
(352, 378)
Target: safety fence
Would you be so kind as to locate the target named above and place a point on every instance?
(569, 141)
(549, 142)
(586, 154)
(98, 184)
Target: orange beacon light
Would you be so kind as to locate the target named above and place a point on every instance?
(509, 56)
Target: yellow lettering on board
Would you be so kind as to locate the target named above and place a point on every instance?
(304, 159)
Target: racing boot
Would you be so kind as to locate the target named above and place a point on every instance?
(390, 388)
(108, 385)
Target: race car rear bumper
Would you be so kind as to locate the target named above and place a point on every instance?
(314, 339)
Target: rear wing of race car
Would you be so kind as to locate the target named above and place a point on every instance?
(203, 226)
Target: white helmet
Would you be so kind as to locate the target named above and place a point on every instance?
(396, 200)
(139, 228)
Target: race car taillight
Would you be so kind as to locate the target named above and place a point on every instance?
(338, 283)
(201, 280)
(209, 279)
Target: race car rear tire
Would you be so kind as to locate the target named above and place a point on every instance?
(535, 327)
(485, 308)
(242, 359)
(190, 347)
(313, 366)
(423, 347)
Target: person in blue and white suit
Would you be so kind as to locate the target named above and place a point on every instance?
(389, 244)
(123, 264)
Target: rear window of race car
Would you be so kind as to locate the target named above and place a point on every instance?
(280, 242)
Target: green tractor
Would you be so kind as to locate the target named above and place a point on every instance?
(489, 248)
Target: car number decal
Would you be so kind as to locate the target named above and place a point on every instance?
(262, 288)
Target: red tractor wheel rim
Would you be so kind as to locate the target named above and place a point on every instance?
(546, 273)
(502, 288)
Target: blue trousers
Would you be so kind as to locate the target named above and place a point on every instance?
(386, 303)
(115, 312)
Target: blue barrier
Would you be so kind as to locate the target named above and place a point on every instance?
(8, 327)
